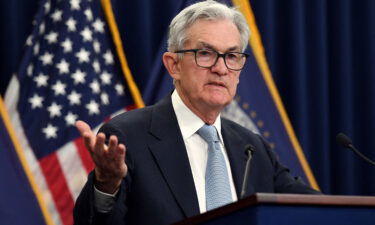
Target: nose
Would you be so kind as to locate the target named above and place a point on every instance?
(220, 68)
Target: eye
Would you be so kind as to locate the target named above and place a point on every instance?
(232, 56)
(205, 53)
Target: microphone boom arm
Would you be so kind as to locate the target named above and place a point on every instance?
(249, 149)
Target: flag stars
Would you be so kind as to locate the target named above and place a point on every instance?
(71, 119)
(41, 80)
(63, 66)
(119, 89)
(96, 66)
(67, 45)
(74, 4)
(54, 110)
(105, 77)
(96, 46)
(59, 88)
(86, 34)
(50, 131)
(92, 107)
(108, 57)
(71, 24)
(88, 14)
(36, 49)
(47, 7)
(56, 52)
(95, 87)
(57, 15)
(98, 26)
(104, 98)
(42, 28)
(36, 101)
(29, 70)
(29, 40)
(46, 58)
(79, 77)
(51, 37)
(83, 55)
(74, 98)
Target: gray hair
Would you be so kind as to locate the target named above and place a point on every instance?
(207, 10)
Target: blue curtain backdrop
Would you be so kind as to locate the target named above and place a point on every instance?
(321, 54)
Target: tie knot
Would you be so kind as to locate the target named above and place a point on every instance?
(208, 133)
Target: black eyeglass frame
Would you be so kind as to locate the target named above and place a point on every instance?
(217, 58)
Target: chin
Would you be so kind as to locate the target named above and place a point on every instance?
(219, 102)
(217, 98)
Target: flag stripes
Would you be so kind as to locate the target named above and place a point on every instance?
(58, 187)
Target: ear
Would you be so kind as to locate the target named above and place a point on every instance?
(171, 63)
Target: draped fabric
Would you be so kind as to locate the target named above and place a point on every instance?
(17, 194)
(68, 71)
(321, 55)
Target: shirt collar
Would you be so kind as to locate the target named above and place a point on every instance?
(188, 121)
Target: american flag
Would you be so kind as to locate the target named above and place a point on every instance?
(69, 71)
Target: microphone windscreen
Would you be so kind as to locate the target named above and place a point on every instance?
(344, 140)
(249, 149)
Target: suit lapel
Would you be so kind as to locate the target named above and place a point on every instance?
(235, 147)
(170, 154)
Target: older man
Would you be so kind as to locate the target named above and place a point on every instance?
(182, 158)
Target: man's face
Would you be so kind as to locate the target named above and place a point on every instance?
(210, 88)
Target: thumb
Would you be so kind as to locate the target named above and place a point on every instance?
(86, 132)
(83, 127)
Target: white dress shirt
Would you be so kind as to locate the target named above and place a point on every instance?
(197, 151)
(197, 148)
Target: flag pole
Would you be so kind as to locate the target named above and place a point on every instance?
(107, 6)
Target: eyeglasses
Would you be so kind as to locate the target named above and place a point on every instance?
(207, 58)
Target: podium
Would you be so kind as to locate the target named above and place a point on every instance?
(279, 209)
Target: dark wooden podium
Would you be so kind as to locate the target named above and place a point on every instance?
(278, 209)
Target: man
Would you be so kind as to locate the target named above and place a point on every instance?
(182, 158)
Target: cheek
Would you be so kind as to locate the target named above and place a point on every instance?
(235, 81)
(195, 80)
(192, 84)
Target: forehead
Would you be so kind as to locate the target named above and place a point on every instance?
(220, 34)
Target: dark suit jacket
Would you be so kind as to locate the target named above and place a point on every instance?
(159, 187)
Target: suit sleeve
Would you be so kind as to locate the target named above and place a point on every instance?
(84, 210)
(284, 182)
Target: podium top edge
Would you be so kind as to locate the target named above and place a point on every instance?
(303, 199)
(259, 199)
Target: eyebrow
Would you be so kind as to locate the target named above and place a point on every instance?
(206, 45)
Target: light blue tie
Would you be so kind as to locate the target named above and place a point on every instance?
(218, 191)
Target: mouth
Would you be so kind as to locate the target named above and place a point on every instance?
(217, 84)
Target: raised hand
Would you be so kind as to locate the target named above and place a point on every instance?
(109, 159)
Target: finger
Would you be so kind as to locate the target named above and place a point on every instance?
(113, 142)
(100, 145)
(89, 141)
(121, 148)
(119, 154)
(123, 167)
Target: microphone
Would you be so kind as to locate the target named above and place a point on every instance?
(249, 151)
(346, 142)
